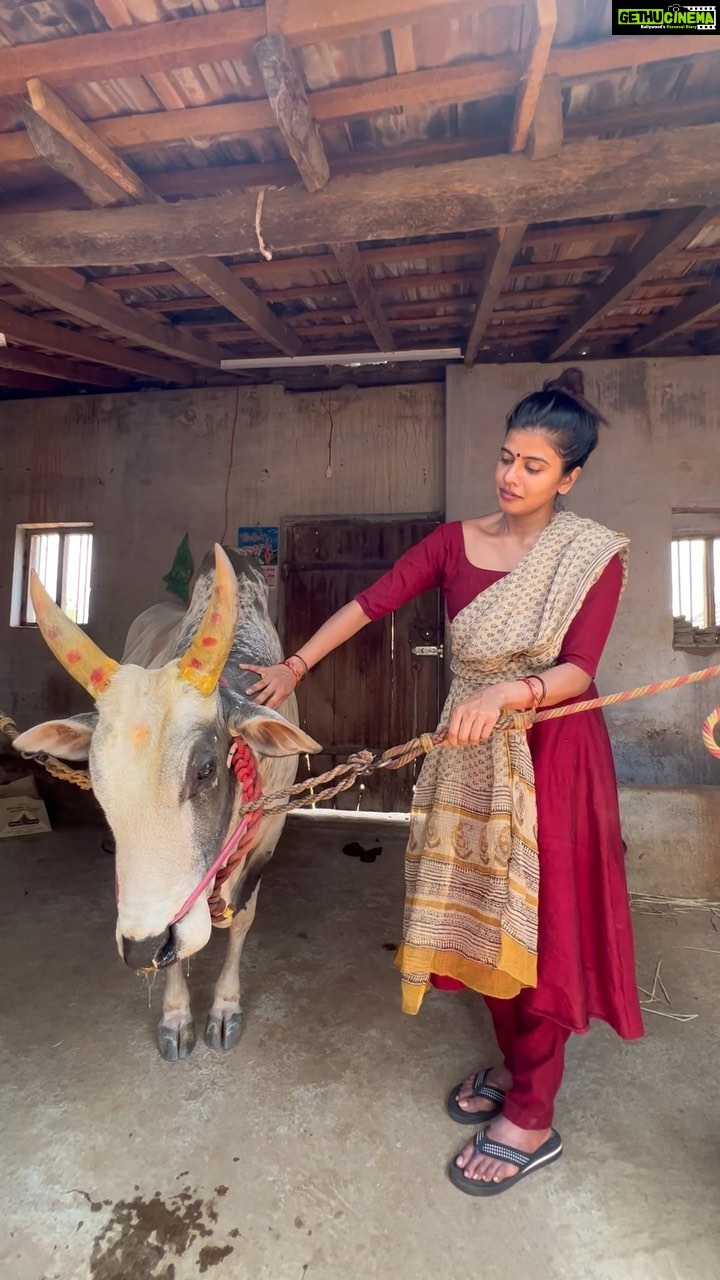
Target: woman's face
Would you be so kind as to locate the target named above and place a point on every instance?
(529, 473)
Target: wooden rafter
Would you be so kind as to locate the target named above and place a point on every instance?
(665, 237)
(14, 380)
(592, 179)
(508, 239)
(83, 346)
(688, 312)
(439, 86)
(93, 375)
(506, 243)
(288, 99)
(91, 304)
(107, 179)
(526, 98)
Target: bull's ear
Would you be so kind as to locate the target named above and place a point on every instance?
(69, 739)
(270, 734)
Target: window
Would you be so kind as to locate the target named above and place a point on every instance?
(696, 590)
(61, 555)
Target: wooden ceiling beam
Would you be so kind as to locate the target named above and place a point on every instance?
(93, 375)
(506, 242)
(82, 346)
(528, 93)
(586, 180)
(665, 237)
(695, 308)
(310, 23)
(89, 162)
(289, 102)
(438, 86)
(94, 306)
(132, 51)
(14, 380)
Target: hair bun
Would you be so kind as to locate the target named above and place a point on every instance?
(570, 381)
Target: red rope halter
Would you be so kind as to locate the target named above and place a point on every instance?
(238, 845)
(244, 765)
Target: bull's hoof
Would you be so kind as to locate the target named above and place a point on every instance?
(175, 1043)
(223, 1032)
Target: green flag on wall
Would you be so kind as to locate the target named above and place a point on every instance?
(178, 579)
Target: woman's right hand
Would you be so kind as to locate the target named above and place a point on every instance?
(274, 686)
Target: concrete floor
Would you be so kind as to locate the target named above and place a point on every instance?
(318, 1147)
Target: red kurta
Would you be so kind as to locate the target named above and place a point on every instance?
(586, 966)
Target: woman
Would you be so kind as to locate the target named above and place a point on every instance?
(508, 821)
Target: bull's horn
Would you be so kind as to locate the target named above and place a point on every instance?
(73, 649)
(202, 665)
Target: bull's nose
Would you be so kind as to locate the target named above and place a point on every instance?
(150, 953)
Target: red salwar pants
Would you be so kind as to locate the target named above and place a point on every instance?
(533, 1048)
(534, 1051)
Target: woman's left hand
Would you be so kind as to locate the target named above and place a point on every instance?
(473, 720)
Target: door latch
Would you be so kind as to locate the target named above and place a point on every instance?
(428, 651)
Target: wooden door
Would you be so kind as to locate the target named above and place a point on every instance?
(384, 686)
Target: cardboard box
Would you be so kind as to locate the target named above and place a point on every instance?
(22, 812)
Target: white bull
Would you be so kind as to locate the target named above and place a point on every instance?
(157, 745)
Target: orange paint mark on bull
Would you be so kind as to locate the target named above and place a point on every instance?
(74, 656)
(52, 632)
(196, 664)
(97, 677)
(209, 641)
(140, 735)
(215, 618)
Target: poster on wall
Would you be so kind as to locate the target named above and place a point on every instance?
(263, 542)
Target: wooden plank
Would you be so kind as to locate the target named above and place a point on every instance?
(666, 236)
(13, 380)
(66, 370)
(359, 283)
(86, 158)
(83, 346)
(216, 280)
(547, 129)
(590, 179)
(437, 86)
(288, 100)
(314, 21)
(696, 307)
(545, 16)
(93, 305)
(50, 107)
(132, 51)
(506, 242)
(403, 47)
(116, 14)
(54, 149)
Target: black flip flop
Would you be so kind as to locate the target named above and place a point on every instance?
(479, 1090)
(484, 1144)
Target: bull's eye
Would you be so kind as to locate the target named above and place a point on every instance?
(206, 771)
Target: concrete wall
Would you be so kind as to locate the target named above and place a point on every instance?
(663, 452)
(146, 468)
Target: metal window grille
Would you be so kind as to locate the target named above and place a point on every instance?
(696, 581)
(62, 558)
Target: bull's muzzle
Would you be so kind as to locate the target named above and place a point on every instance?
(151, 953)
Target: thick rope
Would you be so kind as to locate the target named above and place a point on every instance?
(328, 785)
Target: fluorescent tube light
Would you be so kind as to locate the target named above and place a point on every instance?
(352, 359)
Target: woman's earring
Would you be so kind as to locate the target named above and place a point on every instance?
(559, 502)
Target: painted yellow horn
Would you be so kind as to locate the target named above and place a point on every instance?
(202, 665)
(73, 649)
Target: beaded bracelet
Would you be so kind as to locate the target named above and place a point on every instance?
(298, 678)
